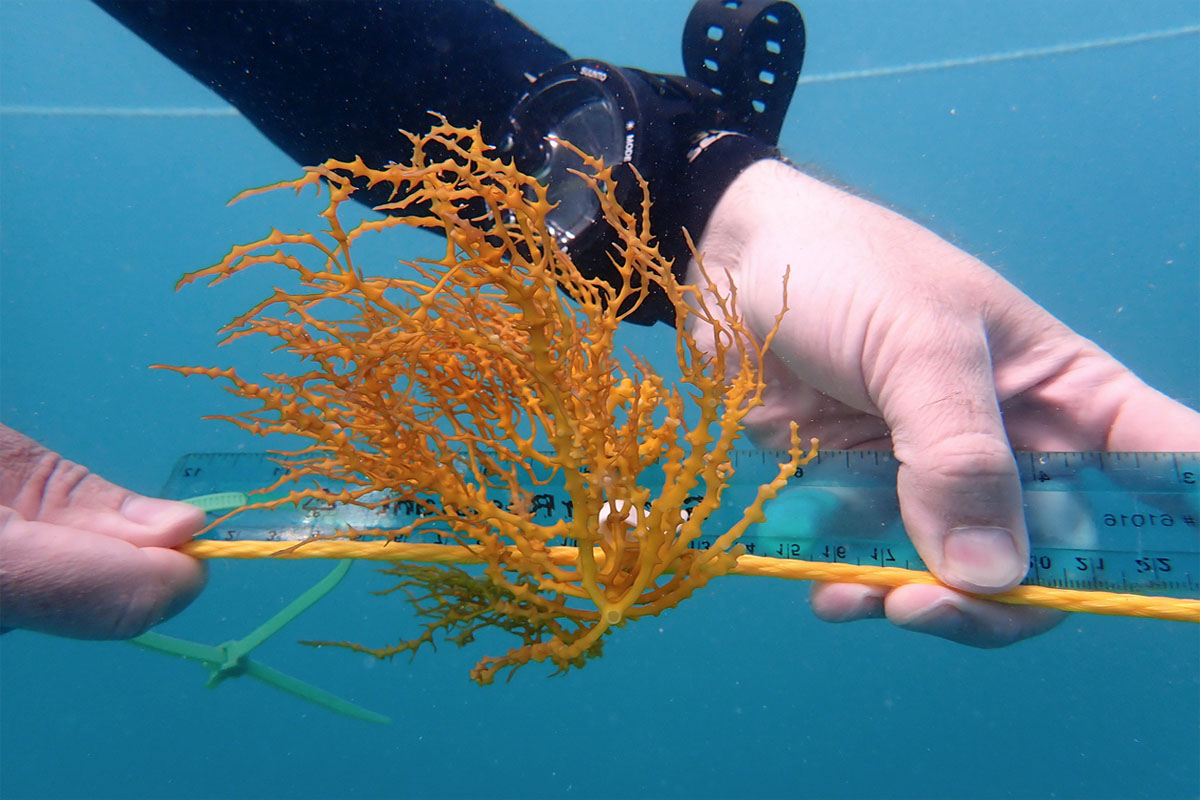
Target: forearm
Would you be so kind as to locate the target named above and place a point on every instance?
(335, 79)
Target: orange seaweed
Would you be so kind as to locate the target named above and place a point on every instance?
(489, 372)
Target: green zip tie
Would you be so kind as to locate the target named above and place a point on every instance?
(232, 659)
(220, 501)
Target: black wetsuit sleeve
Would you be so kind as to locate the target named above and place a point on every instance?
(335, 79)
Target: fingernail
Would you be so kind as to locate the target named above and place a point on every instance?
(981, 559)
(158, 513)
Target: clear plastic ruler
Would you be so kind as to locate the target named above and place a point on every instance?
(1119, 522)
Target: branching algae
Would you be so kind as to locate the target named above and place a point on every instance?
(490, 371)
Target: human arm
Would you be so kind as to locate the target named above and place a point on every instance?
(333, 79)
(82, 557)
(898, 340)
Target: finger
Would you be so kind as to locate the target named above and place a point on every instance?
(847, 602)
(948, 614)
(934, 610)
(1150, 421)
(61, 492)
(960, 494)
(144, 521)
(72, 582)
(1067, 394)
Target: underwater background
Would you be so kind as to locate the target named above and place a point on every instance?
(1076, 175)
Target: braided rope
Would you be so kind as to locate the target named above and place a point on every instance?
(1091, 602)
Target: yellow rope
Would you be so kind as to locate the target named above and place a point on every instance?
(1129, 605)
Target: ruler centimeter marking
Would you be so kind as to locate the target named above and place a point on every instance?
(1122, 522)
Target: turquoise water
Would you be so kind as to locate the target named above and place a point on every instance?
(1076, 175)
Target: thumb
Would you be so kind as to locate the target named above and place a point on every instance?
(959, 490)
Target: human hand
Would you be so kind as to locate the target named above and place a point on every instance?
(898, 340)
(81, 557)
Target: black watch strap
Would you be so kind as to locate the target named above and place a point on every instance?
(714, 160)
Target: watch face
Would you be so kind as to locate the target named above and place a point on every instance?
(595, 129)
(585, 103)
